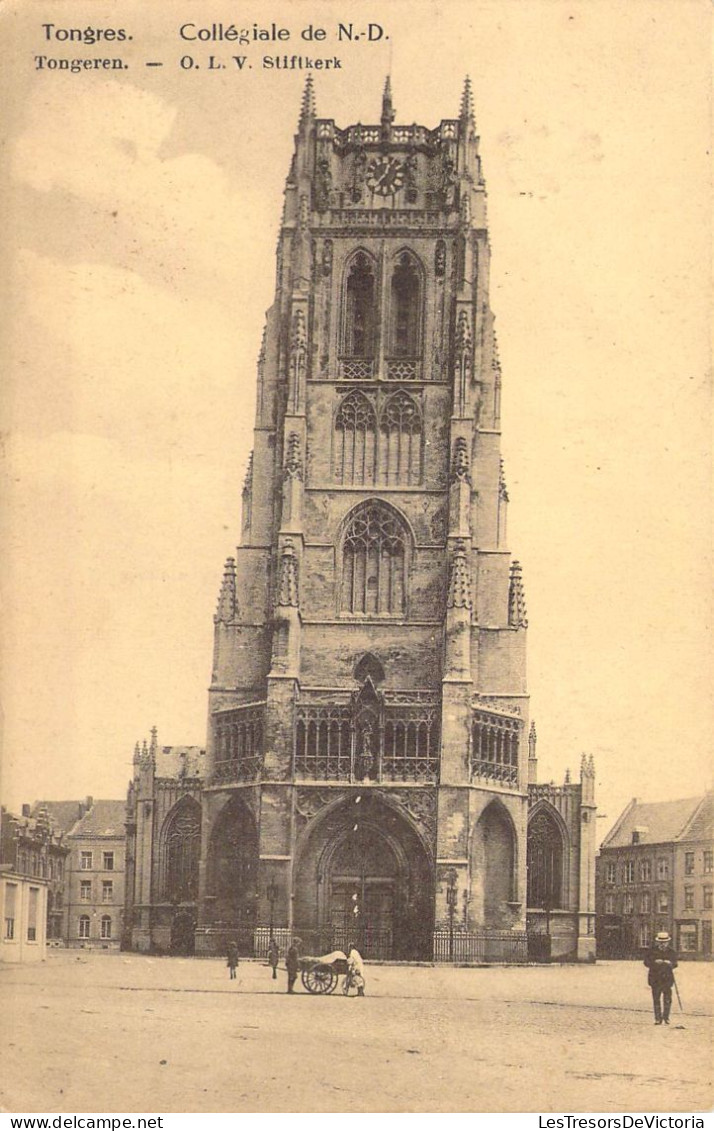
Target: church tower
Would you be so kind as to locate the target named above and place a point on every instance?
(368, 715)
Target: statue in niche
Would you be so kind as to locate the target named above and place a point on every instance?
(323, 187)
(365, 761)
(410, 169)
(358, 175)
(449, 185)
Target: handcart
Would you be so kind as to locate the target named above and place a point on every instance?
(321, 975)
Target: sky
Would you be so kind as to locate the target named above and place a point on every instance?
(141, 215)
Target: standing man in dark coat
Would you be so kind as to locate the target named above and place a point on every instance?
(292, 964)
(232, 958)
(273, 957)
(661, 961)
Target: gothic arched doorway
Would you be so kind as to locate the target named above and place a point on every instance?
(364, 876)
(233, 867)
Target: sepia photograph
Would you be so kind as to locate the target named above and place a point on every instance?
(357, 570)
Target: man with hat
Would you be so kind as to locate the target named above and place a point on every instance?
(661, 961)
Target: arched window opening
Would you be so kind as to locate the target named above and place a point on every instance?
(106, 927)
(496, 844)
(400, 435)
(369, 666)
(233, 866)
(355, 440)
(405, 308)
(181, 851)
(494, 747)
(545, 862)
(374, 562)
(84, 926)
(360, 312)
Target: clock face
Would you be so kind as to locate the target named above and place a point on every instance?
(385, 176)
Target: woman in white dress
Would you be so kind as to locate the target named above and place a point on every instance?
(355, 972)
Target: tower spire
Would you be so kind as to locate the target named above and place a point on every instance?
(307, 108)
(466, 112)
(388, 111)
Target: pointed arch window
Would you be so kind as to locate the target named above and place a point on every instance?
(181, 850)
(400, 441)
(374, 562)
(355, 440)
(360, 320)
(405, 301)
(545, 862)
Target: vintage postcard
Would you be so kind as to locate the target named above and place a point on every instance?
(357, 557)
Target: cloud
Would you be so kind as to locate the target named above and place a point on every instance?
(114, 189)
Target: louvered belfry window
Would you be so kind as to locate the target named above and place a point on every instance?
(360, 309)
(405, 308)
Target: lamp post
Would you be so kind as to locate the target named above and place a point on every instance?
(452, 878)
(272, 894)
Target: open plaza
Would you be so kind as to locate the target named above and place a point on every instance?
(92, 1032)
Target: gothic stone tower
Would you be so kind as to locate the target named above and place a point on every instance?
(367, 766)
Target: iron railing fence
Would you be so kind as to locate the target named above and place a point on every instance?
(378, 944)
(480, 946)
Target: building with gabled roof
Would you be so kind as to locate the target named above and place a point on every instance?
(655, 872)
(63, 815)
(95, 887)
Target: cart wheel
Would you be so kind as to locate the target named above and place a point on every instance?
(319, 979)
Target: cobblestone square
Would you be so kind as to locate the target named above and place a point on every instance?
(87, 1032)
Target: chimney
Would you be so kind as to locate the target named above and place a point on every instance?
(89, 802)
(26, 810)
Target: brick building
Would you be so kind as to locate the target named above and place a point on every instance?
(655, 872)
(95, 882)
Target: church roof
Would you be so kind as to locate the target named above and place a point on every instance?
(105, 818)
(180, 762)
(658, 822)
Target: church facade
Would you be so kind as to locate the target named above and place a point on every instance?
(366, 770)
